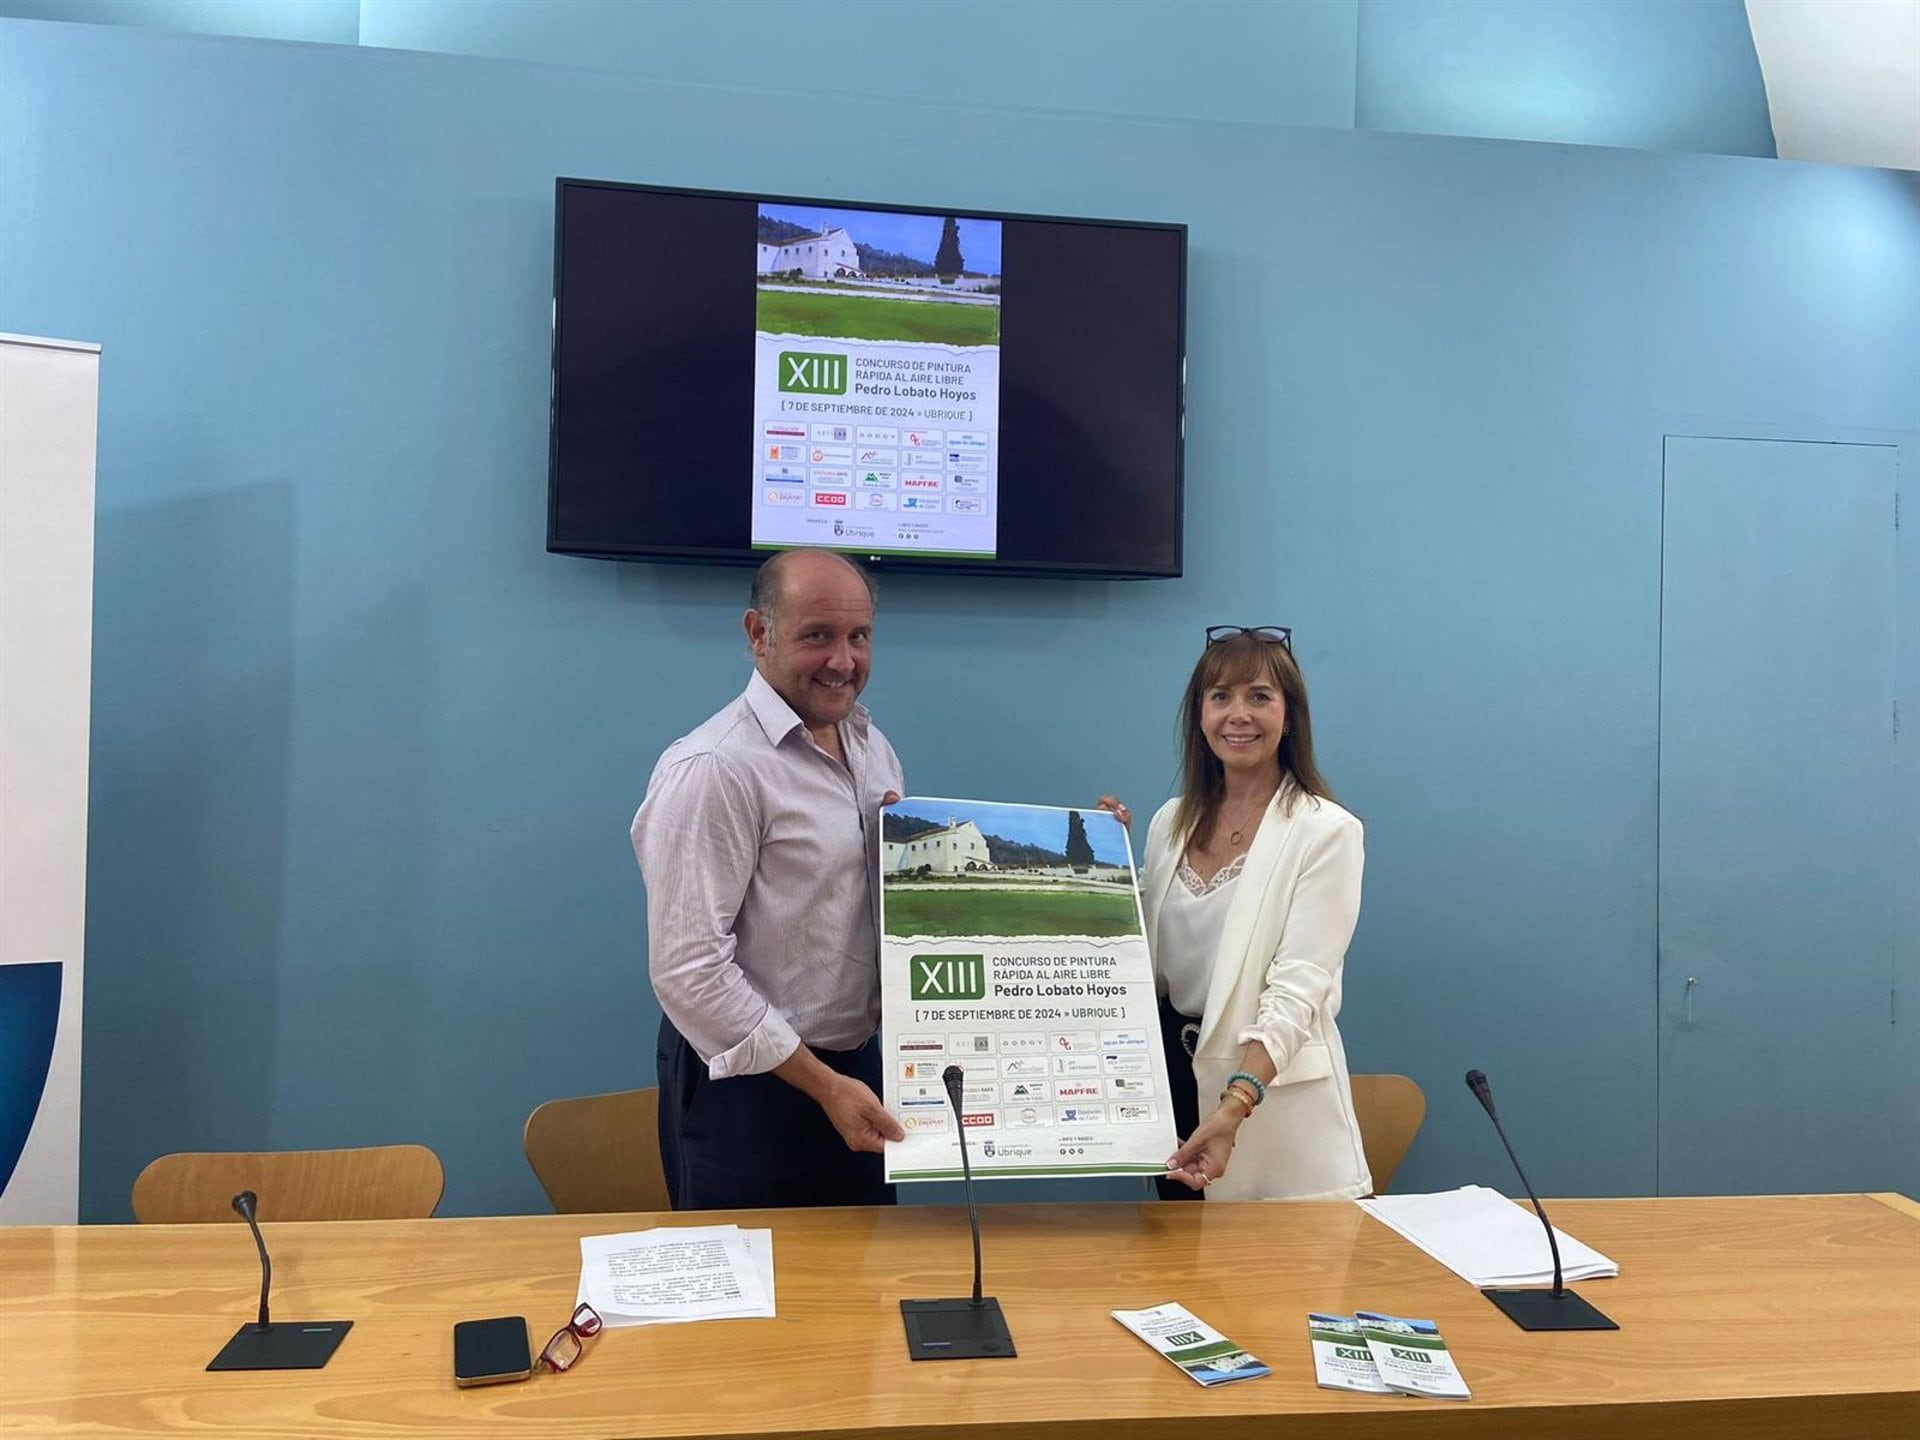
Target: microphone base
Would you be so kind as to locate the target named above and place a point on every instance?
(1544, 1310)
(956, 1330)
(282, 1345)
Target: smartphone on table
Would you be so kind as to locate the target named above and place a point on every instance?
(491, 1352)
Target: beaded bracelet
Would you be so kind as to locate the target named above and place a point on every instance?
(1246, 1097)
(1259, 1090)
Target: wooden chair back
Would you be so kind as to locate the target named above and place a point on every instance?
(1390, 1109)
(599, 1154)
(378, 1182)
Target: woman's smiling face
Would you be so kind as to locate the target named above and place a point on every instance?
(1243, 724)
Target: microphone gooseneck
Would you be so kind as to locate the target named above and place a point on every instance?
(954, 1077)
(1483, 1092)
(244, 1203)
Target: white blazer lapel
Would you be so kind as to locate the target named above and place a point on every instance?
(1237, 939)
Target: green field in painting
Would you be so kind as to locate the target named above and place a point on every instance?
(875, 317)
(964, 911)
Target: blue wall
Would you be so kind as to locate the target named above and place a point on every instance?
(364, 756)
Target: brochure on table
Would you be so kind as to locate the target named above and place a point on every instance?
(1411, 1357)
(1012, 946)
(1201, 1352)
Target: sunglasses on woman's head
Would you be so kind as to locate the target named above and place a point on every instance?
(1276, 634)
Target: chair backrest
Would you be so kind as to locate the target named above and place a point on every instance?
(599, 1154)
(379, 1182)
(1390, 1109)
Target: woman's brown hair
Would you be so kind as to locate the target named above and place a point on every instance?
(1238, 660)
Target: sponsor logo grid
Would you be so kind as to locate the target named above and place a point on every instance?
(1027, 1080)
(874, 468)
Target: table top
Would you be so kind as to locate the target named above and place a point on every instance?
(1749, 1316)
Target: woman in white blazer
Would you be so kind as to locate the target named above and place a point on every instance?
(1251, 888)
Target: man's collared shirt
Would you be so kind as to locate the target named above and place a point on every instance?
(760, 853)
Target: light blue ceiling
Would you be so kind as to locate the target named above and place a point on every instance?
(1646, 74)
(334, 22)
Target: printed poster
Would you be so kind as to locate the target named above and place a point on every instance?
(876, 381)
(1012, 946)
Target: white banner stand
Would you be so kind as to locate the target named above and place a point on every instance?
(49, 403)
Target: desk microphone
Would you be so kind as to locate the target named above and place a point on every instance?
(244, 1203)
(953, 1077)
(958, 1329)
(1555, 1309)
(302, 1345)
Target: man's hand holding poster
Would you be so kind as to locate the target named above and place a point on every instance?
(1012, 946)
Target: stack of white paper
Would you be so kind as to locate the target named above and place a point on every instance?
(1484, 1238)
(655, 1277)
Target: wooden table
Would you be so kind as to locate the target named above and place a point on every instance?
(1757, 1317)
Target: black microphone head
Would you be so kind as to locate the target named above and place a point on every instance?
(953, 1077)
(244, 1203)
(1483, 1092)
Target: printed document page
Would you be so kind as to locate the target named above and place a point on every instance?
(651, 1277)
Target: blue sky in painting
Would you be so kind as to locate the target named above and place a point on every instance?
(915, 235)
(1027, 824)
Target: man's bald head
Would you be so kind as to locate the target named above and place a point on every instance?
(772, 581)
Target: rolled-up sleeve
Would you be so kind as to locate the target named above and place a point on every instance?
(697, 838)
(1306, 965)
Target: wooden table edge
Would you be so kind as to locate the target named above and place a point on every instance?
(1909, 1208)
(1866, 1415)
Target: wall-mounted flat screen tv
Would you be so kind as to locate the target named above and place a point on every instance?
(922, 388)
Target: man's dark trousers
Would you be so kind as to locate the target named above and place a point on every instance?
(754, 1142)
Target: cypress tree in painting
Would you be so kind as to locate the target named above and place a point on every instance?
(1079, 851)
(947, 263)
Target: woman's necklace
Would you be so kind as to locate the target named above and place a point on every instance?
(1235, 833)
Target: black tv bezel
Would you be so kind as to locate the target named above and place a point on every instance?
(705, 555)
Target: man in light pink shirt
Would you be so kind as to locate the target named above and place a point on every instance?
(759, 844)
